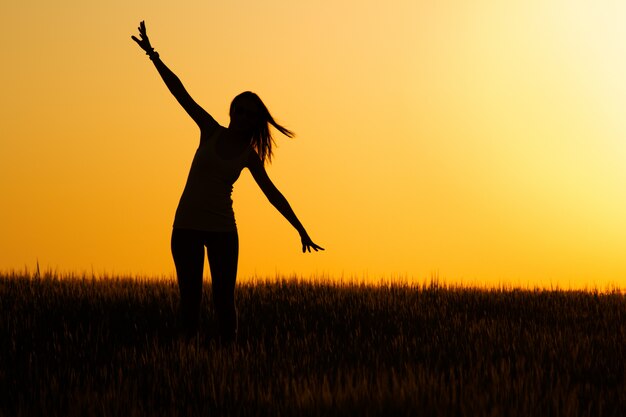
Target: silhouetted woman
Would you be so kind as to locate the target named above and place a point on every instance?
(204, 217)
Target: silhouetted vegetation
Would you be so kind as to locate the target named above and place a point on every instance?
(110, 347)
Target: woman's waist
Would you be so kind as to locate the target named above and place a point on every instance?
(206, 202)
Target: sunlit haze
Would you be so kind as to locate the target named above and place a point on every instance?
(482, 142)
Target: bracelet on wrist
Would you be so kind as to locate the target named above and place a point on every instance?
(152, 54)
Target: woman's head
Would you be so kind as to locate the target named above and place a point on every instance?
(248, 113)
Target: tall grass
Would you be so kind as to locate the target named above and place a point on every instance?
(105, 347)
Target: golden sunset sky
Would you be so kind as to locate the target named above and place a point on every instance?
(481, 141)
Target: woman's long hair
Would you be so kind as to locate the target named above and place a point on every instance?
(262, 140)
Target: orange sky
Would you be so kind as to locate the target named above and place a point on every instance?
(485, 143)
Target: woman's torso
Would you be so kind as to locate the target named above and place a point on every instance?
(206, 203)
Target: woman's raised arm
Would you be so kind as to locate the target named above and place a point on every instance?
(173, 83)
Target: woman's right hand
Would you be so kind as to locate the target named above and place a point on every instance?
(144, 42)
(307, 243)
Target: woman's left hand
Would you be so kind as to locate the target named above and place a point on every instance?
(144, 42)
(307, 244)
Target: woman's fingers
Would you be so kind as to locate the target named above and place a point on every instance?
(143, 40)
(141, 43)
(316, 248)
(306, 247)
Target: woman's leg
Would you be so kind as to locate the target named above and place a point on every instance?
(223, 252)
(188, 254)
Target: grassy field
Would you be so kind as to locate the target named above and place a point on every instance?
(109, 347)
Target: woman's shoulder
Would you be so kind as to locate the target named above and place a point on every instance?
(210, 133)
(252, 159)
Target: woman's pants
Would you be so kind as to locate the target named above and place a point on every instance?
(223, 251)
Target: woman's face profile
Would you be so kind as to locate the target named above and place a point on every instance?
(245, 115)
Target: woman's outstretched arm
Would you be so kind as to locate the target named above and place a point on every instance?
(173, 83)
(278, 200)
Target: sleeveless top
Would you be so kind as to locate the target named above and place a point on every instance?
(206, 203)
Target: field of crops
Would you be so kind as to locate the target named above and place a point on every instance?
(110, 347)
